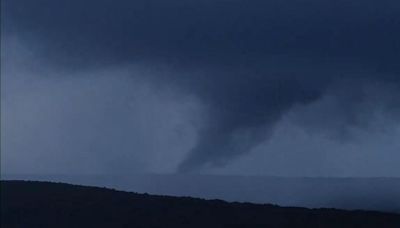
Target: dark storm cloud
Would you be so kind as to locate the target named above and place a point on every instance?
(88, 122)
(249, 62)
(208, 30)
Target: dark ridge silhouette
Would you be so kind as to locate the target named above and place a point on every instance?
(46, 204)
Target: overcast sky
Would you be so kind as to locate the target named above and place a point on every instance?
(287, 88)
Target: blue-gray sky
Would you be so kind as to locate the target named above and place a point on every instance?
(295, 87)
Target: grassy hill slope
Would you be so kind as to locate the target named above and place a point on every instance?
(45, 204)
